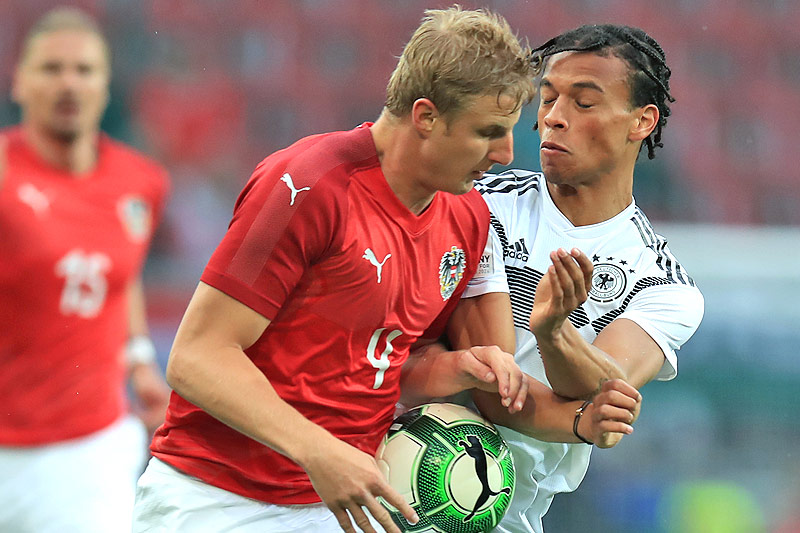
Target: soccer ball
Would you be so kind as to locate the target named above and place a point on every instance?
(451, 465)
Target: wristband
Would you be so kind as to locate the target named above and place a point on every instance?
(140, 350)
(578, 414)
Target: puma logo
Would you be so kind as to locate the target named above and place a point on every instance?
(287, 179)
(475, 450)
(35, 198)
(369, 255)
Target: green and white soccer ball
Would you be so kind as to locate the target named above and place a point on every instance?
(451, 465)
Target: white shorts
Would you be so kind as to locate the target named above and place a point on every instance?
(83, 485)
(167, 500)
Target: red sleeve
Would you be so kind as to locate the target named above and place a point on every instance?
(271, 242)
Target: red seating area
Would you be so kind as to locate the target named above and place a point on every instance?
(208, 81)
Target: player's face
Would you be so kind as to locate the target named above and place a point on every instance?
(585, 118)
(62, 83)
(469, 143)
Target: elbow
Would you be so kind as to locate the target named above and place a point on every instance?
(176, 371)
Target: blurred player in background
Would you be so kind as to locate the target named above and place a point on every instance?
(574, 236)
(345, 249)
(77, 211)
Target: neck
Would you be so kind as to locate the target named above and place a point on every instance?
(76, 156)
(595, 201)
(397, 145)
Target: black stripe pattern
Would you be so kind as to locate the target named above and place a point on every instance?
(522, 283)
(664, 258)
(600, 323)
(521, 181)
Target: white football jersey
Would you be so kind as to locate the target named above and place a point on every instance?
(635, 277)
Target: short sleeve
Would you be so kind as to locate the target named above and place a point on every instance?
(491, 274)
(670, 314)
(277, 232)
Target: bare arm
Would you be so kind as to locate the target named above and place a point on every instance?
(434, 372)
(208, 367)
(575, 367)
(546, 416)
(549, 417)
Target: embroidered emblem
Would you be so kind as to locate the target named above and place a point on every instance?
(134, 212)
(451, 270)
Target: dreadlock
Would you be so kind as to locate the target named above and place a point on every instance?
(648, 71)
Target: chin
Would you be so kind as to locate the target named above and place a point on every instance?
(66, 135)
(466, 187)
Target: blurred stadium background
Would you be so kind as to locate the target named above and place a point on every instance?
(210, 87)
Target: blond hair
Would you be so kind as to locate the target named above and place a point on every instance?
(458, 54)
(64, 18)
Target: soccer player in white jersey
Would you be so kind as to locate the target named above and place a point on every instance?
(611, 301)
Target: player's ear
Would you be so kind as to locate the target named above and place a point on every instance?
(424, 115)
(646, 119)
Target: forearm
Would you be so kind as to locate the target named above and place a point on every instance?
(545, 416)
(575, 368)
(430, 372)
(226, 384)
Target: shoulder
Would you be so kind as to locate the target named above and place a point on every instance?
(118, 152)
(507, 190)
(663, 262)
(119, 157)
(325, 156)
(510, 182)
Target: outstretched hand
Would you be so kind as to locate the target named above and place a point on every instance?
(612, 414)
(349, 480)
(563, 288)
(494, 370)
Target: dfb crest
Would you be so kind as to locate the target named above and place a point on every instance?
(451, 270)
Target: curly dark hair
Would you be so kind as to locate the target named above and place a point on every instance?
(649, 74)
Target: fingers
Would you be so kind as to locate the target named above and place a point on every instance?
(586, 266)
(572, 280)
(512, 384)
(344, 520)
(394, 499)
(363, 523)
(623, 387)
(473, 364)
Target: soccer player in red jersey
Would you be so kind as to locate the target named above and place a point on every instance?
(77, 211)
(345, 250)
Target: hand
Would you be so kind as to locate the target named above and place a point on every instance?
(612, 414)
(491, 369)
(347, 479)
(563, 288)
(152, 394)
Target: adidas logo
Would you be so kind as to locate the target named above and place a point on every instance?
(518, 250)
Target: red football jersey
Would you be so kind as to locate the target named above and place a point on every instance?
(69, 247)
(350, 279)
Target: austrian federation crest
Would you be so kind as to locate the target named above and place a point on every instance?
(134, 212)
(451, 270)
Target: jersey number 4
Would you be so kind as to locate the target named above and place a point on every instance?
(85, 284)
(380, 362)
